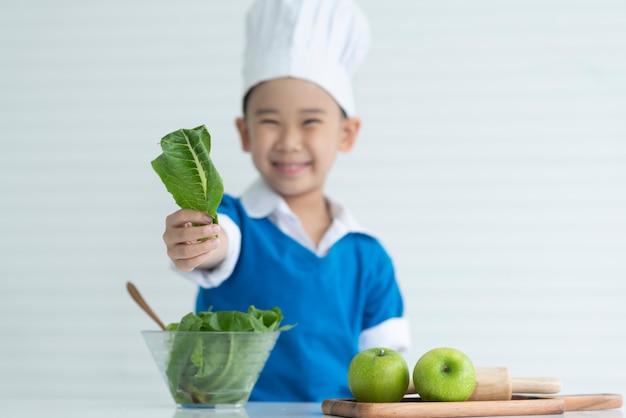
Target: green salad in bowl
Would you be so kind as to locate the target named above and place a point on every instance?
(215, 358)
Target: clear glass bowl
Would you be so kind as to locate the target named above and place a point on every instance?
(210, 369)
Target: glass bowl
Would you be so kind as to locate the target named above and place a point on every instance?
(210, 369)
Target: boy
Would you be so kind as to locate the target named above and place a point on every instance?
(283, 242)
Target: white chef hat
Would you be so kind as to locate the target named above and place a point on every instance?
(322, 41)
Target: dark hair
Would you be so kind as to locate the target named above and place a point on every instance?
(245, 100)
(246, 97)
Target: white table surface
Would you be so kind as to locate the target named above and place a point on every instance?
(82, 408)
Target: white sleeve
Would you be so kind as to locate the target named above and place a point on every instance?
(393, 333)
(216, 276)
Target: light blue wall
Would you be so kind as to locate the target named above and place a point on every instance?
(492, 162)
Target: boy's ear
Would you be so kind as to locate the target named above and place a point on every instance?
(350, 130)
(244, 136)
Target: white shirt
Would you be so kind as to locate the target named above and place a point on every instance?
(260, 201)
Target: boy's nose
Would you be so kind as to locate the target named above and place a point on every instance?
(289, 141)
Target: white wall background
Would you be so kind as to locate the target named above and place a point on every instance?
(492, 162)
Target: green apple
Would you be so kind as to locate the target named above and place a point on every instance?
(378, 375)
(444, 374)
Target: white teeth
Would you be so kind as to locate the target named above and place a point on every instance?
(290, 166)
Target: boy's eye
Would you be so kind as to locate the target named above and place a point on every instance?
(268, 122)
(311, 121)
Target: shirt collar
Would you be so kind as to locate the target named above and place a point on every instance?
(260, 201)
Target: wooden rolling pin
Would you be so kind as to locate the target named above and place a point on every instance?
(496, 384)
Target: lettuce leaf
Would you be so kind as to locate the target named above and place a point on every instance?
(187, 171)
(255, 320)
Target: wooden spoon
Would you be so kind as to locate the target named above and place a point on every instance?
(134, 293)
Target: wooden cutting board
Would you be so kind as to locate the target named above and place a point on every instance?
(519, 405)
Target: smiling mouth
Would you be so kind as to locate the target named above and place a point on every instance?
(290, 168)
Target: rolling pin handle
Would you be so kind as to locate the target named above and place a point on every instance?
(543, 385)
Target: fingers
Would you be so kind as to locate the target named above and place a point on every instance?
(187, 225)
(189, 234)
(187, 257)
(190, 237)
(182, 216)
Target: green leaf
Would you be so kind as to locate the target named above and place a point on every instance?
(189, 322)
(186, 170)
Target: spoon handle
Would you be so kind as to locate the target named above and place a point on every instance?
(134, 293)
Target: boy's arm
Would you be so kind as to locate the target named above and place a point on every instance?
(385, 323)
(394, 333)
(184, 237)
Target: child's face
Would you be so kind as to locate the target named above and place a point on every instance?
(294, 130)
